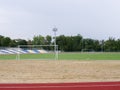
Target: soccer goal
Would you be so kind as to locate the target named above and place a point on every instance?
(40, 52)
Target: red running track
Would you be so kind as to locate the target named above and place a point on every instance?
(63, 86)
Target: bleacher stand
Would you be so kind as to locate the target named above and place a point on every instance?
(21, 51)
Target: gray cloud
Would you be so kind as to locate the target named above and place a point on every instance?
(98, 19)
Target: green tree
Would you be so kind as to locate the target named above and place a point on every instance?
(29, 42)
(118, 45)
(61, 42)
(48, 39)
(13, 43)
(97, 46)
(88, 44)
(110, 45)
(38, 40)
(70, 43)
(5, 42)
(77, 42)
(21, 42)
(1, 37)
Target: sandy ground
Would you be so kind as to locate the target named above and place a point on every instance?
(37, 71)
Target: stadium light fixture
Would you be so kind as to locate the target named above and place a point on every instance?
(55, 30)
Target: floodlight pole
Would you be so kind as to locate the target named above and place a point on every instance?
(55, 30)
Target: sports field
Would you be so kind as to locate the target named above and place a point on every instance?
(73, 71)
(67, 56)
(70, 67)
(46, 71)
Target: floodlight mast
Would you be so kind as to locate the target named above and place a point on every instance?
(55, 30)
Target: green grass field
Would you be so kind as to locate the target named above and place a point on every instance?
(66, 56)
(90, 56)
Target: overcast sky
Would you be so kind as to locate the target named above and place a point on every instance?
(97, 19)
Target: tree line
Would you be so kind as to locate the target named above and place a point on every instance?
(66, 43)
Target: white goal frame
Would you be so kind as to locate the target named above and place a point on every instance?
(55, 51)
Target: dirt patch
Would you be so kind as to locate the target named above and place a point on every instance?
(37, 71)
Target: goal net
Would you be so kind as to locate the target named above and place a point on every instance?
(40, 52)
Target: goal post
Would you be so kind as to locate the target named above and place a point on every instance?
(40, 52)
